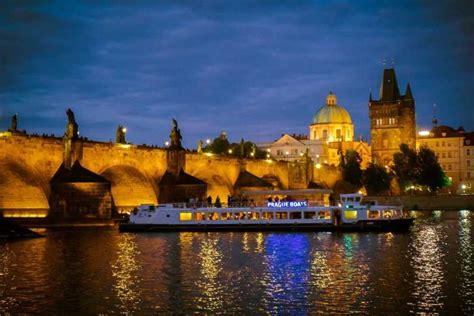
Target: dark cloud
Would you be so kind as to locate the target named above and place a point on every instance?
(254, 68)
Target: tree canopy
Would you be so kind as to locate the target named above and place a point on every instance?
(418, 168)
(221, 146)
(376, 179)
(351, 171)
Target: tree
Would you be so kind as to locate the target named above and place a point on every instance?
(431, 174)
(351, 171)
(418, 168)
(406, 166)
(376, 179)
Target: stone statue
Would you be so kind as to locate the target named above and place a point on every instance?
(199, 149)
(72, 129)
(120, 135)
(242, 147)
(13, 128)
(175, 136)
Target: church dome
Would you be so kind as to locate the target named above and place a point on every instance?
(331, 112)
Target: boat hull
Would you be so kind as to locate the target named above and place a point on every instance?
(402, 224)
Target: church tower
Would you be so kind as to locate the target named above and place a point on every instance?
(392, 119)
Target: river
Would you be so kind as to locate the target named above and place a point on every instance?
(96, 271)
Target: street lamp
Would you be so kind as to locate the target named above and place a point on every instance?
(208, 141)
(230, 151)
(167, 144)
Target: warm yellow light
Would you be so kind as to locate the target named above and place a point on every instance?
(318, 166)
(317, 156)
(463, 186)
(124, 145)
(230, 151)
(252, 154)
(268, 149)
(268, 155)
(424, 133)
(287, 153)
(208, 154)
(268, 160)
(325, 161)
(185, 216)
(301, 154)
(124, 129)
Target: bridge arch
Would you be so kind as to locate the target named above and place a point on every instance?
(130, 187)
(24, 192)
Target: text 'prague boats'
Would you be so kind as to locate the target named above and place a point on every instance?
(351, 214)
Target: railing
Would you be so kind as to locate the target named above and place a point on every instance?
(235, 205)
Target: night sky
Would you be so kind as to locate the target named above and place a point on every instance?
(255, 69)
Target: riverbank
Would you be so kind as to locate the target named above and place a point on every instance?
(428, 202)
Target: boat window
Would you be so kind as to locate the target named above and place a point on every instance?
(295, 215)
(151, 207)
(324, 214)
(309, 215)
(240, 215)
(350, 199)
(213, 216)
(281, 215)
(343, 199)
(350, 214)
(254, 215)
(200, 216)
(226, 215)
(358, 199)
(389, 213)
(267, 215)
(185, 216)
(373, 214)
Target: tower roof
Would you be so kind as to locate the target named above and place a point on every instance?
(389, 89)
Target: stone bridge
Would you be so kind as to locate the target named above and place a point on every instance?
(28, 163)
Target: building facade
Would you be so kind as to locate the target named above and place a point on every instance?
(454, 149)
(331, 133)
(392, 119)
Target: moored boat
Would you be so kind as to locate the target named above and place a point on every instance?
(352, 213)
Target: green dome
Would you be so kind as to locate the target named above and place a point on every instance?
(331, 113)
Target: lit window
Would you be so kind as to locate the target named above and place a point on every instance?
(188, 216)
(309, 215)
(373, 214)
(324, 214)
(350, 214)
(281, 215)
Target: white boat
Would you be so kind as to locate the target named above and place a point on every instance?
(353, 213)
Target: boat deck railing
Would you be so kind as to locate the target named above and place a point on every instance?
(236, 205)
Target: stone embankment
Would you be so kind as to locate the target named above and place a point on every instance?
(429, 202)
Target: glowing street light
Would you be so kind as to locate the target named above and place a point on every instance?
(230, 151)
(318, 166)
(124, 129)
(167, 144)
(208, 141)
(268, 156)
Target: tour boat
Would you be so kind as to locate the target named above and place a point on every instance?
(352, 213)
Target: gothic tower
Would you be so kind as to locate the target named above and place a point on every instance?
(392, 119)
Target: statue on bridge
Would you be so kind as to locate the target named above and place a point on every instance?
(120, 135)
(13, 127)
(72, 129)
(175, 137)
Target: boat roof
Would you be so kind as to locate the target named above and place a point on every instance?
(287, 192)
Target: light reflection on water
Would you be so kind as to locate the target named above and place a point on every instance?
(100, 271)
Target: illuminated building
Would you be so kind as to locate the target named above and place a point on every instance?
(455, 152)
(392, 119)
(331, 133)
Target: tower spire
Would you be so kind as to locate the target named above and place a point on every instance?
(408, 94)
(434, 121)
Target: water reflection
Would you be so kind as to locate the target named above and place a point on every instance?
(466, 286)
(6, 258)
(125, 274)
(210, 256)
(287, 269)
(426, 257)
